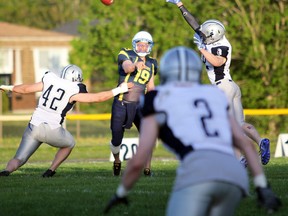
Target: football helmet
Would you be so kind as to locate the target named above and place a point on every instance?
(142, 36)
(180, 64)
(72, 73)
(214, 31)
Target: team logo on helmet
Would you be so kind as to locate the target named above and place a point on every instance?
(72, 73)
(213, 30)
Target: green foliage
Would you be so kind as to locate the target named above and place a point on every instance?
(45, 14)
(257, 31)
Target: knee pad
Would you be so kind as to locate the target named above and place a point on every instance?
(114, 149)
(117, 137)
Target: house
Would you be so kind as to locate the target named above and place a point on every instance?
(26, 54)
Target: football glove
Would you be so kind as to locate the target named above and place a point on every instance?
(120, 89)
(173, 1)
(6, 87)
(267, 199)
(199, 41)
(115, 200)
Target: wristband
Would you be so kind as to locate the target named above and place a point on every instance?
(7, 87)
(260, 181)
(116, 91)
(121, 191)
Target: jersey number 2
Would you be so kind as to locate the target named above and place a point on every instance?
(205, 118)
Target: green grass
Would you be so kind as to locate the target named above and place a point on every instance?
(84, 183)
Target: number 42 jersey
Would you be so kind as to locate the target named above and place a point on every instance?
(53, 103)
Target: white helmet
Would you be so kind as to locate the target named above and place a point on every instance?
(72, 73)
(180, 64)
(142, 36)
(214, 31)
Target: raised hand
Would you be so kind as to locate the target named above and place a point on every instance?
(198, 41)
(173, 1)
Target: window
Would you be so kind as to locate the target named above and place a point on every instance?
(6, 61)
(49, 59)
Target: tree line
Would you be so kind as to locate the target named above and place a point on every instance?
(257, 31)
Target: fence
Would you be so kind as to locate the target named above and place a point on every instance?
(106, 116)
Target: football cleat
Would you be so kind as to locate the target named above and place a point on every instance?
(116, 168)
(4, 173)
(147, 172)
(264, 151)
(49, 173)
(243, 161)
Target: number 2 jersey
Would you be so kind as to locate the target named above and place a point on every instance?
(194, 125)
(140, 78)
(53, 103)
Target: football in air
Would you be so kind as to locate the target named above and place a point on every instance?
(107, 2)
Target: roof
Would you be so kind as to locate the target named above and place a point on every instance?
(69, 28)
(18, 32)
(72, 27)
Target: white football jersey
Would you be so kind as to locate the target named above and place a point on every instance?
(220, 48)
(194, 124)
(54, 101)
(196, 117)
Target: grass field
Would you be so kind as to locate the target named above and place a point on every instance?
(84, 183)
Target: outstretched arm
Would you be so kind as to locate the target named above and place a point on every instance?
(23, 88)
(190, 19)
(101, 96)
(265, 195)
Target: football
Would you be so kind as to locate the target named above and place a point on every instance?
(107, 2)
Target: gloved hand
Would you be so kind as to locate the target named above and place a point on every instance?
(267, 199)
(122, 88)
(199, 41)
(115, 200)
(6, 87)
(173, 1)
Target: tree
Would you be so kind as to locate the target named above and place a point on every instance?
(44, 14)
(256, 30)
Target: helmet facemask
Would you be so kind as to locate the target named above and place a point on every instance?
(213, 30)
(144, 37)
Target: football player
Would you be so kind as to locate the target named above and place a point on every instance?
(216, 53)
(59, 94)
(193, 122)
(134, 65)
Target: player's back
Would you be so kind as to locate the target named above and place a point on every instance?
(54, 101)
(194, 114)
(199, 133)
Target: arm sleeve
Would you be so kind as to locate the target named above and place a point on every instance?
(191, 20)
(122, 56)
(82, 88)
